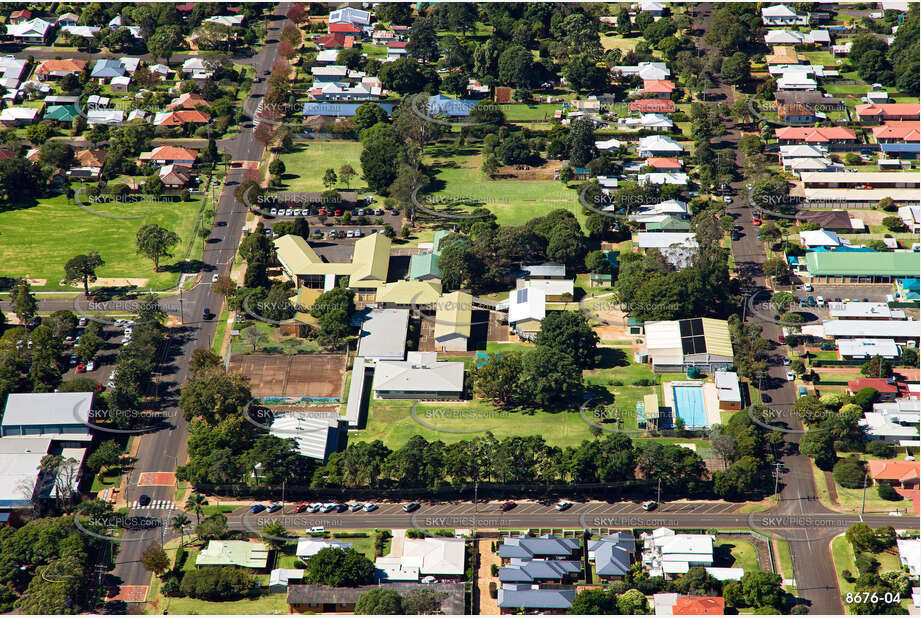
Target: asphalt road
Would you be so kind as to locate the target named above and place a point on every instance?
(813, 567)
(164, 450)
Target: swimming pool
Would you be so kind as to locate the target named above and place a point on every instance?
(689, 405)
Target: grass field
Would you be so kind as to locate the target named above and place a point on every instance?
(512, 201)
(843, 556)
(784, 558)
(273, 342)
(38, 241)
(618, 42)
(741, 554)
(520, 112)
(305, 166)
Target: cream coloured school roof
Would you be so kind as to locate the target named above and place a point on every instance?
(452, 315)
(716, 335)
(409, 292)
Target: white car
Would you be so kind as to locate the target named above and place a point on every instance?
(289, 212)
(790, 376)
(110, 384)
(370, 507)
(90, 366)
(273, 212)
(215, 277)
(316, 530)
(562, 505)
(727, 199)
(807, 287)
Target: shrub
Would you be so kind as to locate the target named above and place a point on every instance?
(847, 575)
(866, 563)
(494, 570)
(887, 492)
(413, 533)
(849, 473)
(880, 448)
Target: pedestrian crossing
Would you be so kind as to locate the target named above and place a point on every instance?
(155, 505)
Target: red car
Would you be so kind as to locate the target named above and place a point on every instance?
(756, 221)
(338, 213)
(300, 508)
(507, 506)
(322, 211)
(781, 338)
(81, 368)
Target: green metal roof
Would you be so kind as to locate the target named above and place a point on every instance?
(669, 223)
(436, 241)
(902, 264)
(424, 265)
(61, 113)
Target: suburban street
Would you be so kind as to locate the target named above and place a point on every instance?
(164, 450)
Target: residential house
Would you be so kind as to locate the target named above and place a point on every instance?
(657, 213)
(895, 421)
(784, 37)
(612, 555)
(339, 110)
(160, 70)
(545, 547)
(12, 71)
(421, 376)
(441, 558)
(120, 84)
(910, 555)
(673, 346)
(382, 36)
(889, 389)
(832, 220)
(784, 55)
(656, 9)
(665, 165)
(899, 139)
(645, 70)
(527, 307)
(836, 267)
(168, 155)
(833, 138)
(902, 474)
(233, 553)
(181, 117)
(669, 555)
(819, 238)
(453, 320)
(335, 41)
(796, 81)
(805, 107)
(678, 248)
(366, 272)
(344, 28)
(280, 579)
(782, 15)
(32, 32)
(659, 146)
(867, 348)
(340, 92)
(539, 571)
(17, 17)
(105, 69)
(187, 101)
(64, 114)
(228, 21)
(19, 116)
(56, 69)
(91, 157)
(674, 604)
(68, 19)
(653, 106)
(658, 88)
(350, 15)
(327, 56)
(175, 177)
(396, 50)
(131, 64)
(660, 178)
(530, 598)
(875, 113)
(329, 74)
(454, 108)
(310, 546)
(549, 277)
(610, 144)
(195, 67)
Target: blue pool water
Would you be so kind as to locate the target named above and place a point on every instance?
(689, 405)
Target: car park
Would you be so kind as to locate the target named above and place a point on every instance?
(409, 507)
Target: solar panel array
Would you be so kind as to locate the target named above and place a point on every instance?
(692, 336)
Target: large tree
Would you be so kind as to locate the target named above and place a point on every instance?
(155, 242)
(338, 567)
(568, 332)
(82, 268)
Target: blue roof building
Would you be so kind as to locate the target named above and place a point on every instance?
(107, 69)
(455, 108)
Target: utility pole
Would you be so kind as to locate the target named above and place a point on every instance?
(777, 467)
(863, 502)
(659, 493)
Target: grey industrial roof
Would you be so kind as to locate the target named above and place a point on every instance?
(47, 409)
(19, 462)
(419, 372)
(383, 334)
(727, 386)
(871, 328)
(547, 269)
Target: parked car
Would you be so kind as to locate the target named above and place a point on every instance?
(786, 360)
(650, 505)
(507, 506)
(562, 505)
(370, 507)
(91, 366)
(81, 368)
(356, 507)
(409, 507)
(81, 322)
(807, 287)
(316, 530)
(275, 508)
(341, 508)
(300, 508)
(790, 376)
(215, 277)
(395, 212)
(350, 234)
(257, 508)
(727, 199)
(820, 301)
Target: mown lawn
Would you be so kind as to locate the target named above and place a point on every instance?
(742, 554)
(513, 201)
(275, 603)
(273, 342)
(38, 241)
(843, 556)
(304, 168)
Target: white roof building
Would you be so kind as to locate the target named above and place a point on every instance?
(527, 304)
(316, 433)
(667, 554)
(307, 547)
(802, 151)
(19, 115)
(894, 329)
(727, 386)
(383, 334)
(796, 80)
(350, 15)
(663, 178)
(911, 217)
(327, 55)
(230, 21)
(819, 238)
(653, 145)
(868, 310)
(678, 248)
(782, 15)
(645, 70)
(430, 556)
(894, 421)
(59, 416)
(910, 555)
(84, 32)
(32, 29)
(279, 578)
(784, 37)
(420, 376)
(104, 116)
(656, 121)
(610, 144)
(867, 348)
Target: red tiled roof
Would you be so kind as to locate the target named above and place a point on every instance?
(396, 44)
(185, 8)
(658, 85)
(882, 385)
(6, 154)
(906, 131)
(23, 14)
(912, 494)
(173, 153)
(331, 40)
(663, 162)
(183, 116)
(345, 28)
(187, 101)
(814, 134)
(652, 105)
(66, 64)
(894, 470)
(699, 606)
(888, 109)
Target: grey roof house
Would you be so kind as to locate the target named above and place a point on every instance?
(514, 597)
(546, 546)
(612, 554)
(539, 571)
